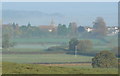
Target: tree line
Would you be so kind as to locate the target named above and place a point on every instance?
(62, 30)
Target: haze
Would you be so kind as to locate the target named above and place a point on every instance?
(84, 13)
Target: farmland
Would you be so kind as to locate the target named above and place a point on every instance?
(31, 53)
(32, 50)
(59, 38)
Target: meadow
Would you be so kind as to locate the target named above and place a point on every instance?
(28, 55)
(44, 58)
(40, 69)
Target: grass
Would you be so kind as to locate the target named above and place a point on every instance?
(34, 45)
(14, 68)
(44, 58)
(22, 50)
(39, 40)
(44, 43)
(58, 40)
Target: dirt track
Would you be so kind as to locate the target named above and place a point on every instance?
(67, 64)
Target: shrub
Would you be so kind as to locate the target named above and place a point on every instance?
(84, 45)
(104, 59)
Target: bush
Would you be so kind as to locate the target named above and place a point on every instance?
(105, 59)
(84, 45)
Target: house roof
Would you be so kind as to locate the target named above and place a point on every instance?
(46, 27)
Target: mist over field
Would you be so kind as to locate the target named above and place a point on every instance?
(60, 38)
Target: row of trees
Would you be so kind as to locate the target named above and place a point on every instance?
(35, 31)
(14, 30)
(99, 29)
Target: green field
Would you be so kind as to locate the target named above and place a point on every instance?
(22, 50)
(40, 44)
(44, 58)
(20, 63)
(40, 69)
(44, 43)
(62, 40)
(40, 40)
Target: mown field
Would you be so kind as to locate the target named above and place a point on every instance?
(40, 69)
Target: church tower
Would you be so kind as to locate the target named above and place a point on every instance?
(52, 26)
(52, 23)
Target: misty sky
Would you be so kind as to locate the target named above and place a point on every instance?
(84, 13)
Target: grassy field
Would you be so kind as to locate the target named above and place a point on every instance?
(40, 69)
(39, 44)
(35, 46)
(40, 40)
(20, 62)
(62, 40)
(44, 58)
(22, 50)
(39, 48)
(44, 43)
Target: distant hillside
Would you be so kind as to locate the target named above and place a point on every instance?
(35, 17)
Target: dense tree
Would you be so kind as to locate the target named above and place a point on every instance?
(6, 43)
(84, 45)
(59, 29)
(65, 30)
(104, 59)
(14, 25)
(72, 29)
(8, 29)
(81, 29)
(72, 44)
(17, 31)
(80, 45)
(62, 30)
(29, 25)
(100, 27)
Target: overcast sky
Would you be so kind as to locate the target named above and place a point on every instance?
(82, 12)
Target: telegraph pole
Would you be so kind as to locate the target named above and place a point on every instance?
(76, 51)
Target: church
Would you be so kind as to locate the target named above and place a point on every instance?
(50, 28)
